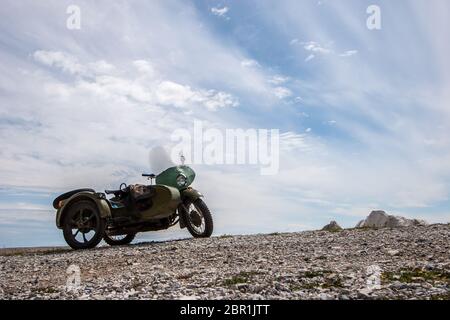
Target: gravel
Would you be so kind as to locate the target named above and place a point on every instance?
(404, 263)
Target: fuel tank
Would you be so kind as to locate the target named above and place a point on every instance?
(165, 203)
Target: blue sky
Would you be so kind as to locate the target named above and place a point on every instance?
(365, 114)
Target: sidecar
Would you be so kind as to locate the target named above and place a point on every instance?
(86, 216)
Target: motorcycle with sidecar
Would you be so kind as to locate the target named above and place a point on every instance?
(86, 216)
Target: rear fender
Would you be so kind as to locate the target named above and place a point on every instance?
(97, 198)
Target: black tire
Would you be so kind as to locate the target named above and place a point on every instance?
(201, 206)
(115, 242)
(83, 216)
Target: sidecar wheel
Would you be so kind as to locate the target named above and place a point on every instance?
(118, 240)
(198, 219)
(83, 227)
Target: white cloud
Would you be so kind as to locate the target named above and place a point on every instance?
(101, 67)
(59, 59)
(70, 64)
(278, 79)
(170, 93)
(282, 92)
(147, 90)
(309, 58)
(213, 100)
(349, 53)
(293, 141)
(250, 63)
(316, 47)
(221, 12)
(144, 67)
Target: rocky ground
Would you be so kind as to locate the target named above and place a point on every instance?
(410, 263)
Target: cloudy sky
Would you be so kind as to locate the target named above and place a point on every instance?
(364, 115)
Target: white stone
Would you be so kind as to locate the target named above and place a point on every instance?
(379, 219)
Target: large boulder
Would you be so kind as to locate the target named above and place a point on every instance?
(332, 227)
(379, 219)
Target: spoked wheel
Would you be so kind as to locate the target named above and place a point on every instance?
(83, 227)
(198, 219)
(118, 240)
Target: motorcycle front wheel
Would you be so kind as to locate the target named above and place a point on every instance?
(197, 219)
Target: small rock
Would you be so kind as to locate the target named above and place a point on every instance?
(332, 227)
(394, 252)
(325, 296)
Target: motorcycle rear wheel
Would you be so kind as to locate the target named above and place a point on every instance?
(118, 241)
(198, 219)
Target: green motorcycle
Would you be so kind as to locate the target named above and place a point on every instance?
(86, 216)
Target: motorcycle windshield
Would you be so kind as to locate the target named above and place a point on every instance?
(169, 176)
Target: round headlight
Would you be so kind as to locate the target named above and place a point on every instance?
(181, 180)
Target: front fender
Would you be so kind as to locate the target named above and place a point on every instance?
(190, 194)
(97, 198)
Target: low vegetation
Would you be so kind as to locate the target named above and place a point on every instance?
(415, 275)
(241, 277)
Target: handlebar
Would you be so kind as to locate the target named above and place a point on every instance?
(113, 191)
(149, 175)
